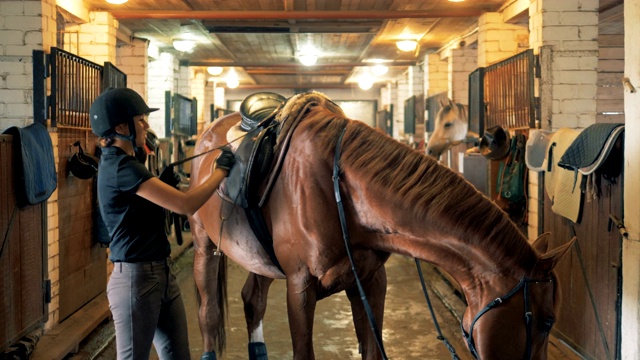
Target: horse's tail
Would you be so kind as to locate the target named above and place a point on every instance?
(210, 273)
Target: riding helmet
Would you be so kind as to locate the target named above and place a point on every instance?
(116, 106)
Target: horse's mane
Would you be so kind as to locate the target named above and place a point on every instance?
(435, 193)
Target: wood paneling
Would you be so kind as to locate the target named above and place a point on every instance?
(600, 246)
(22, 261)
(82, 261)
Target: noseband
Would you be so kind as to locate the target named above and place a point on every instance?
(528, 316)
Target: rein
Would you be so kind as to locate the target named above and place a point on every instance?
(524, 283)
(347, 244)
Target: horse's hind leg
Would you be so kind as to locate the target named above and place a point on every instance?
(209, 272)
(254, 296)
(375, 289)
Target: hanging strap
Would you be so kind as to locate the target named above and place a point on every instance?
(347, 244)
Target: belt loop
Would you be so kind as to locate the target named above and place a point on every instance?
(120, 266)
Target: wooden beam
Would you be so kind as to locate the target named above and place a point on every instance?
(296, 65)
(297, 15)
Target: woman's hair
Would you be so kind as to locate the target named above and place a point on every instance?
(106, 141)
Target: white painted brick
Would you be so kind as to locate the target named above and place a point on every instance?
(585, 120)
(20, 50)
(11, 8)
(12, 37)
(578, 106)
(588, 32)
(562, 91)
(560, 33)
(20, 110)
(23, 23)
(13, 67)
(564, 121)
(35, 8)
(578, 18)
(580, 45)
(19, 81)
(33, 38)
(575, 77)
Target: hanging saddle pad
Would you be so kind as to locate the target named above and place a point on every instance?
(536, 150)
(562, 185)
(591, 148)
(34, 166)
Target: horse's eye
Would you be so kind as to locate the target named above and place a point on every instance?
(447, 125)
(548, 324)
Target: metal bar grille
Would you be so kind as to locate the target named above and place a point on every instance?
(113, 77)
(75, 83)
(508, 92)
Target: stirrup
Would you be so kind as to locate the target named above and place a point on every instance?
(208, 355)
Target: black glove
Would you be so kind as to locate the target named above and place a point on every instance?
(169, 176)
(226, 159)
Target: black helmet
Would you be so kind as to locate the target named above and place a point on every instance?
(116, 106)
(83, 165)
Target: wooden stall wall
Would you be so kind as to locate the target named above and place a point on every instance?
(83, 273)
(22, 258)
(593, 332)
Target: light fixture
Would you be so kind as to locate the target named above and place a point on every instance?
(215, 70)
(456, 0)
(308, 60)
(308, 55)
(379, 70)
(232, 79)
(406, 45)
(184, 45)
(116, 2)
(365, 82)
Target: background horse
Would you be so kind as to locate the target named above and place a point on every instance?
(396, 201)
(451, 128)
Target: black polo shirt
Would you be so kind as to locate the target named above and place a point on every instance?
(136, 226)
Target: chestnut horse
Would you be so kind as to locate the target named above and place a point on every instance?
(396, 200)
(451, 128)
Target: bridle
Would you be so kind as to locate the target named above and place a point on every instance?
(528, 316)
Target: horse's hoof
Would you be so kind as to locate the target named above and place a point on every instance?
(209, 355)
(258, 351)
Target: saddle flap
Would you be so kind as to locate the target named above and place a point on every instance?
(253, 161)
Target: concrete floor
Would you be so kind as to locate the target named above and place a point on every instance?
(408, 331)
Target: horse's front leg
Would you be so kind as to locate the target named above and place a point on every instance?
(375, 289)
(301, 306)
(209, 272)
(254, 297)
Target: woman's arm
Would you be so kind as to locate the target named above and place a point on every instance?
(187, 203)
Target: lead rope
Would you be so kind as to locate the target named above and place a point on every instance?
(347, 244)
(440, 337)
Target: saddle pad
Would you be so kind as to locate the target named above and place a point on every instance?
(536, 150)
(591, 148)
(562, 185)
(34, 166)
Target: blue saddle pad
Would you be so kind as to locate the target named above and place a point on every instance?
(34, 166)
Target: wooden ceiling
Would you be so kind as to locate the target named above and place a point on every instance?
(261, 38)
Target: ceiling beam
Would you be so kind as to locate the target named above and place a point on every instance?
(295, 71)
(296, 65)
(297, 15)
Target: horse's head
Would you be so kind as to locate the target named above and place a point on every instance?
(516, 325)
(450, 129)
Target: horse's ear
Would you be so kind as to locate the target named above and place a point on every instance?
(541, 244)
(548, 260)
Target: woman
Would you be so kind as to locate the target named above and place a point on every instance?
(143, 294)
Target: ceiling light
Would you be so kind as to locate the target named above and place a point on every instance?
(308, 59)
(232, 79)
(456, 0)
(365, 82)
(407, 45)
(379, 70)
(214, 70)
(116, 2)
(184, 45)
